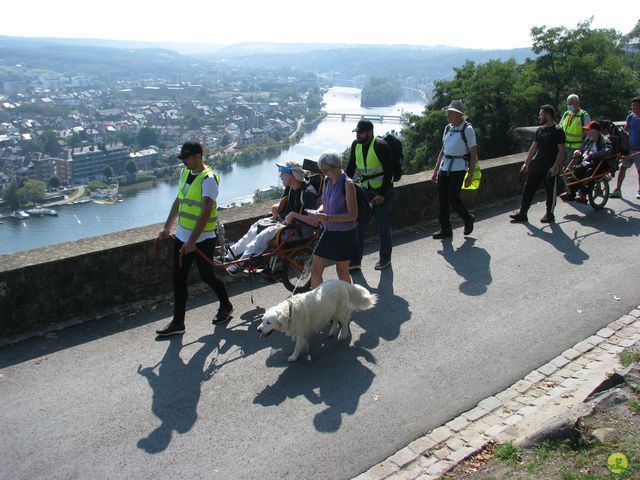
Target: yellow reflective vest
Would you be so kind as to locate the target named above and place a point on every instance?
(371, 171)
(573, 131)
(190, 204)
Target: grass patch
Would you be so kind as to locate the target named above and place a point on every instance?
(629, 356)
(509, 453)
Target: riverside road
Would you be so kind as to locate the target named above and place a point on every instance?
(456, 322)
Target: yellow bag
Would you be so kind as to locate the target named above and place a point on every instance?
(475, 179)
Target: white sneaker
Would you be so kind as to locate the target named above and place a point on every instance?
(638, 195)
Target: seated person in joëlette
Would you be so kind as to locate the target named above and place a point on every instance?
(298, 195)
(594, 148)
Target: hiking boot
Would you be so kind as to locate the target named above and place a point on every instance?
(617, 194)
(518, 218)
(224, 314)
(442, 234)
(173, 328)
(548, 218)
(353, 267)
(382, 264)
(468, 224)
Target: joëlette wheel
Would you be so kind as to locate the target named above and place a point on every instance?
(294, 280)
(599, 194)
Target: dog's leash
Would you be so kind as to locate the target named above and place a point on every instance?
(307, 266)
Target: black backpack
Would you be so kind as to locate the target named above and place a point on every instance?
(364, 207)
(395, 145)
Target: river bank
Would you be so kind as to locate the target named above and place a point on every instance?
(149, 202)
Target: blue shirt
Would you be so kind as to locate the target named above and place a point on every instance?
(633, 123)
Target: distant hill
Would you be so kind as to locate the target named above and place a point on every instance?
(429, 63)
(111, 59)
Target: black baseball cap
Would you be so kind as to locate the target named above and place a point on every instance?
(363, 126)
(190, 148)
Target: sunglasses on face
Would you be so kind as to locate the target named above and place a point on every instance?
(286, 170)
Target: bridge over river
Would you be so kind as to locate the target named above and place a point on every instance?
(358, 116)
(456, 322)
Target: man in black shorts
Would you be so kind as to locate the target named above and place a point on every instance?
(542, 164)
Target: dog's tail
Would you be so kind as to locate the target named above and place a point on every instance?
(360, 298)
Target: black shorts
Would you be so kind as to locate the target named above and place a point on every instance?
(338, 245)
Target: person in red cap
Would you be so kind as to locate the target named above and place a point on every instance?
(594, 148)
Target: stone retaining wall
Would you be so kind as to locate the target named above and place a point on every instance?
(75, 281)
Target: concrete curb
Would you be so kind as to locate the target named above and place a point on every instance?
(509, 416)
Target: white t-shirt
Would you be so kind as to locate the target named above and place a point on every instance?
(453, 145)
(210, 190)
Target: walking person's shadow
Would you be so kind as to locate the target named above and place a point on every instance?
(471, 263)
(177, 384)
(556, 237)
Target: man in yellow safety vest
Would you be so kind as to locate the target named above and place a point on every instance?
(573, 122)
(197, 214)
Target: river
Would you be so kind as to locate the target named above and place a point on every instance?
(151, 205)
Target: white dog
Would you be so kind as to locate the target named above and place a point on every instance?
(304, 314)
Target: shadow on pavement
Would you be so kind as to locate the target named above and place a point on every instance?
(385, 320)
(471, 263)
(556, 237)
(608, 221)
(336, 377)
(177, 384)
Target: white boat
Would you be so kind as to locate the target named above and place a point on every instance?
(42, 211)
(20, 214)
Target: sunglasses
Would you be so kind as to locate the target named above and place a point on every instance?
(286, 170)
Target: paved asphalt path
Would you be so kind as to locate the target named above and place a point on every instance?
(456, 322)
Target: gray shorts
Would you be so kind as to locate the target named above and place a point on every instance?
(626, 162)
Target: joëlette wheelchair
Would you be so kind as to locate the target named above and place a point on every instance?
(288, 258)
(596, 184)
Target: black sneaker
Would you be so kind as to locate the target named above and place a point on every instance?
(518, 218)
(548, 218)
(223, 315)
(171, 329)
(468, 224)
(442, 234)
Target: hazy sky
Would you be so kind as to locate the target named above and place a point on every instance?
(465, 23)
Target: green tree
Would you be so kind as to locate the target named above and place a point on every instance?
(107, 172)
(11, 195)
(32, 191)
(50, 145)
(586, 61)
(502, 95)
(128, 138)
(54, 182)
(131, 167)
(147, 136)
(380, 92)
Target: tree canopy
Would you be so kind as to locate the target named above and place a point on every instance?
(380, 92)
(502, 95)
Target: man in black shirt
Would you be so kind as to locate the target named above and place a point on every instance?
(376, 178)
(542, 164)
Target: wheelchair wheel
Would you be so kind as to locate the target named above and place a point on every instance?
(599, 193)
(292, 277)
